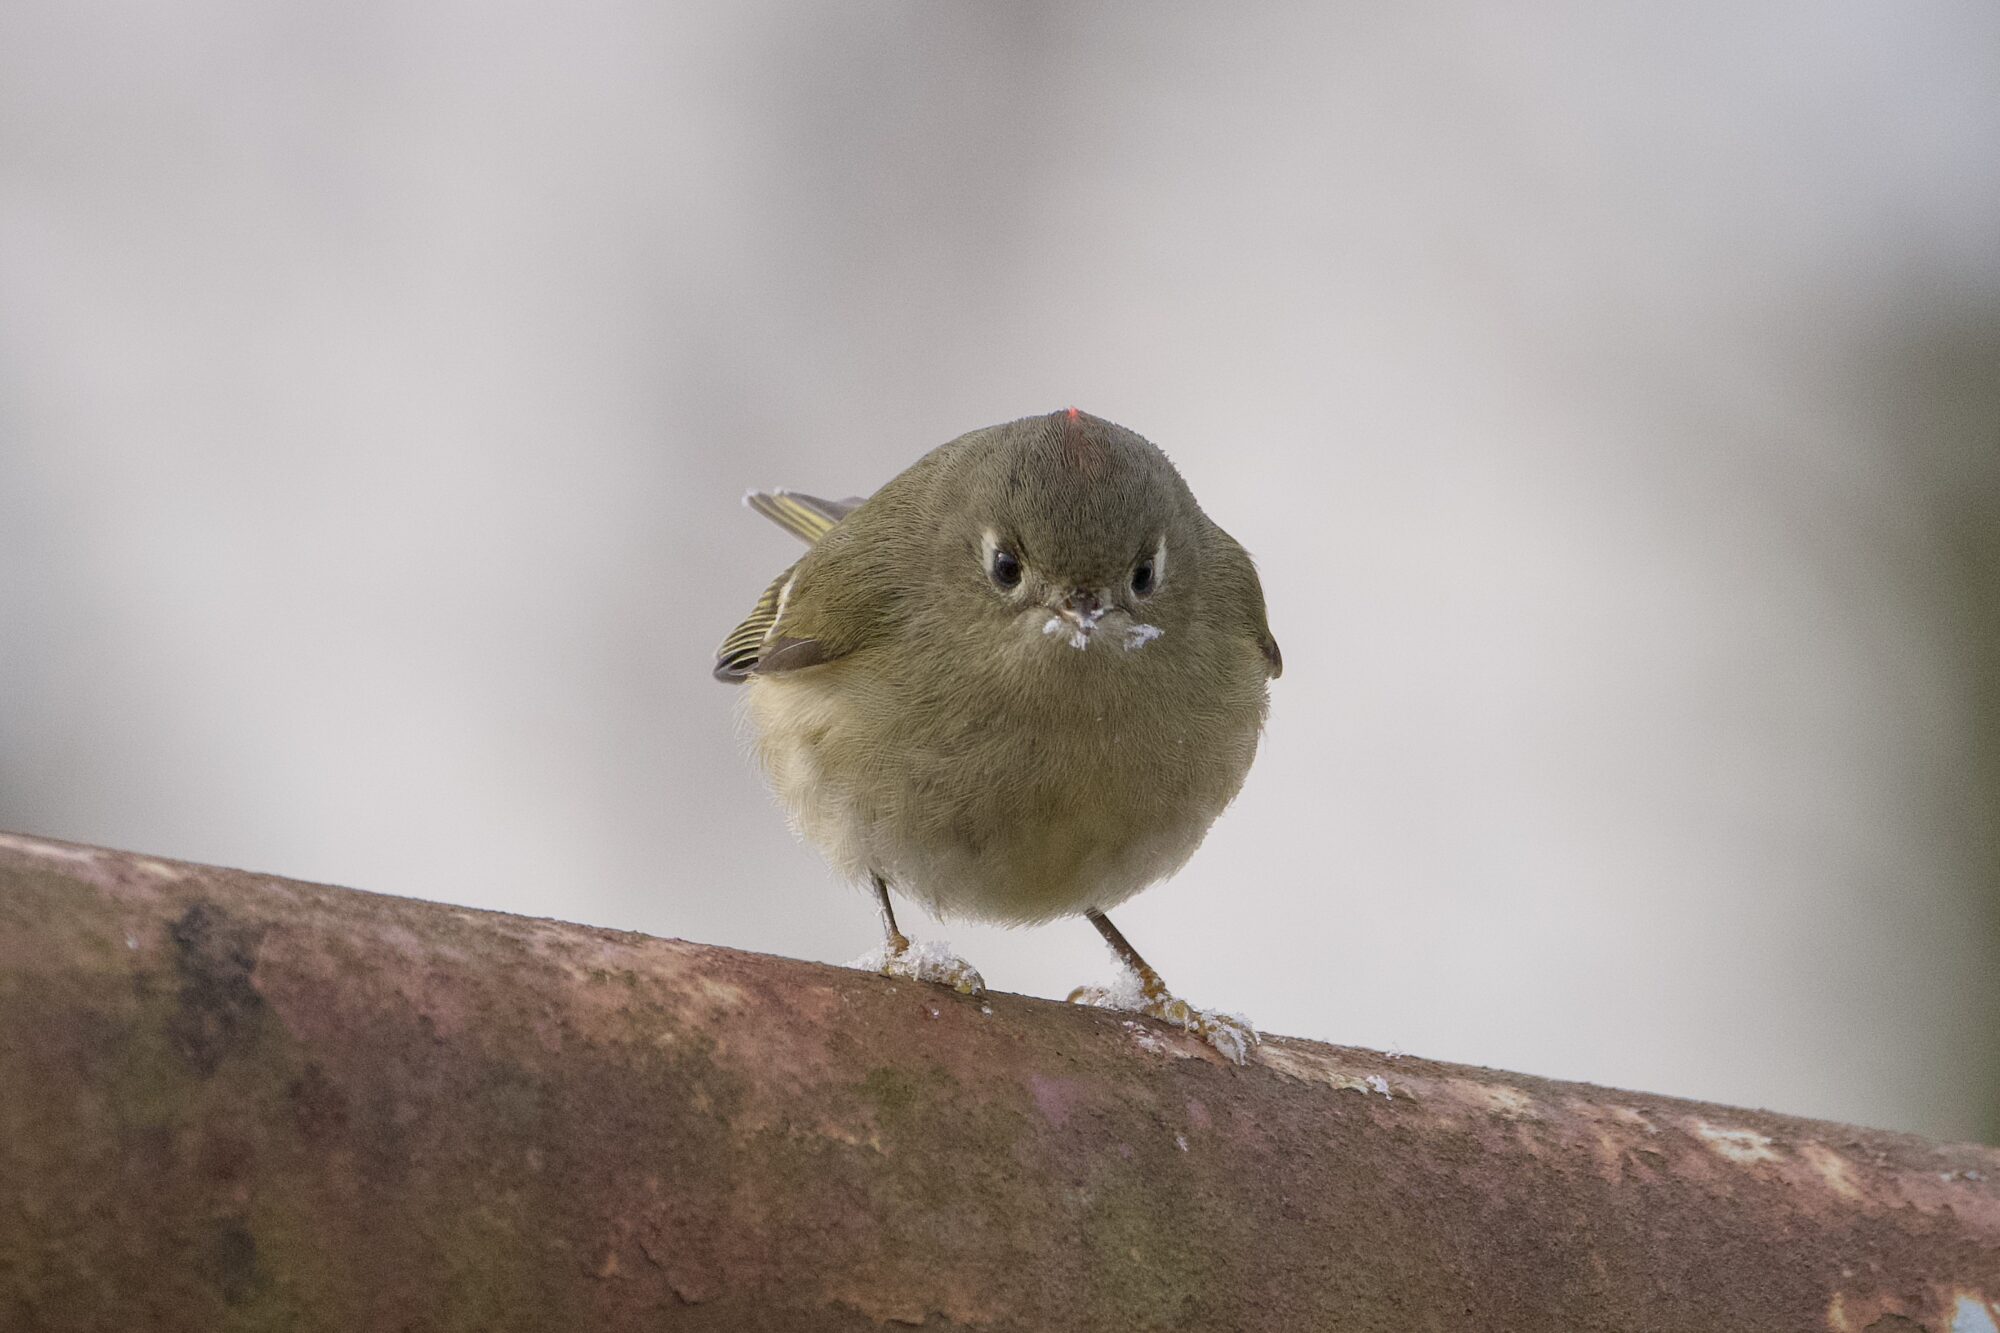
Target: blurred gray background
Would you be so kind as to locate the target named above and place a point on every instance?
(1609, 395)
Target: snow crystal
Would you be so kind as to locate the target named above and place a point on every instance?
(1138, 636)
(924, 960)
(1232, 1035)
(1180, 1141)
(1129, 991)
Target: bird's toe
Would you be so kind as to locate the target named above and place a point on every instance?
(931, 961)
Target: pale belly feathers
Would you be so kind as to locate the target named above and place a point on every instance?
(1007, 807)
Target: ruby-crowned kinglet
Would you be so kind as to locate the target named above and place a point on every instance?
(1018, 682)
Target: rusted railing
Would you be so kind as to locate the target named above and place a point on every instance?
(233, 1101)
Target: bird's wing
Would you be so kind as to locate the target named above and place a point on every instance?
(753, 646)
(744, 648)
(806, 517)
(756, 646)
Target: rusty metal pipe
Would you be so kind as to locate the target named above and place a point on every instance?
(234, 1101)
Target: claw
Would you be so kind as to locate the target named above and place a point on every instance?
(1232, 1035)
(932, 961)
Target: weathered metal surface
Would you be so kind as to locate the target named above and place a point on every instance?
(229, 1101)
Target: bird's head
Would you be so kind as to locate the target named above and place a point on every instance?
(1081, 531)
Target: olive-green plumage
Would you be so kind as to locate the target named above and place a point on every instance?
(1020, 681)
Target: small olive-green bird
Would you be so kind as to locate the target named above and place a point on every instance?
(1016, 683)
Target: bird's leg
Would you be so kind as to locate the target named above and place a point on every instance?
(1231, 1034)
(894, 942)
(897, 957)
(1150, 985)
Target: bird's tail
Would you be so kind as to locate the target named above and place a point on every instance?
(806, 517)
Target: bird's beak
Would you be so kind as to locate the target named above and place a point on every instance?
(1081, 608)
(1076, 614)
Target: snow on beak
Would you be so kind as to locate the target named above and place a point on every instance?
(1077, 615)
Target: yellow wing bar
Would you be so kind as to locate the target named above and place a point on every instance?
(737, 657)
(806, 517)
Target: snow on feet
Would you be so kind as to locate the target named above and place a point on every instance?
(1230, 1034)
(931, 961)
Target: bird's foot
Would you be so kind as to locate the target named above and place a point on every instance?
(932, 961)
(1230, 1034)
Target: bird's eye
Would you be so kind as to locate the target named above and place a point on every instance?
(1142, 578)
(1006, 569)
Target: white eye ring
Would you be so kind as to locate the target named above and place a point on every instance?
(1150, 573)
(1002, 565)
